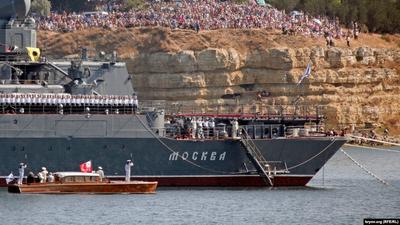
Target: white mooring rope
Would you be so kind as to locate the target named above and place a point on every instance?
(374, 140)
(373, 148)
(314, 156)
(363, 168)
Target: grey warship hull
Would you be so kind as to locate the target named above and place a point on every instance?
(62, 142)
(59, 114)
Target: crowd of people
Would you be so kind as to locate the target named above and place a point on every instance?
(196, 15)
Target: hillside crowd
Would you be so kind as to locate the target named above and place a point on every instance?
(196, 15)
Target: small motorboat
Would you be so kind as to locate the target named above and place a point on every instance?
(77, 182)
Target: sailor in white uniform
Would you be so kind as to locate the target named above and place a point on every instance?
(13, 99)
(43, 175)
(73, 100)
(235, 128)
(113, 101)
(64, 99)
(200, 133)
(23, 99)
(92, 100)
(100, 172)
(29, 99)
(17, 99)
(47, 100)
(78, 100)
(128, 166)
(42, 99)
(206, 128)
(34, 99)
(88, 100)
(2, 99)
(194, 127)
(68, 100)
(21, 170)
(53, 100)
(97, 100)
(106, 100)
(135, 103)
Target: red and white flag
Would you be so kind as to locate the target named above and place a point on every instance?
(86, 167)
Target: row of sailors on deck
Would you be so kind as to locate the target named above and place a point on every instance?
(67, 99)
(199, 127)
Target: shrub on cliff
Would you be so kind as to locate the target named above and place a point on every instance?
(41, 7)
(133, 4)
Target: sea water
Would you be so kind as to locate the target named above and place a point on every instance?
(341, 193)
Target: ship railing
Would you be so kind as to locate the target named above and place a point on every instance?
(277, 167)
(305, 130)
(261, 110)
(254, 131)
(65, 109)
(29, 82)
(272, 131)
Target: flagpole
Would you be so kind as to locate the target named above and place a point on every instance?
(306, 74)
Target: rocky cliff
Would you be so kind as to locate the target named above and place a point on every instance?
(209, 70)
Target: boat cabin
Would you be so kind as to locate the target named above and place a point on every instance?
(76, 177)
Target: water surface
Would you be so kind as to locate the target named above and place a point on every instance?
(341, 193)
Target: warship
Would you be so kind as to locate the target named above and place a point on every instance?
(60, 113)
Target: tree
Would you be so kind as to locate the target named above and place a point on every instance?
(41, 7)
(133, 4)
(240, 1)
(73, 5)
(288, 5)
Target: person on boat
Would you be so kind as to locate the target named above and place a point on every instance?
(43, 175)
(21, 170)
(50, 178)
(128, 166)
(100, 172)
(30, 178)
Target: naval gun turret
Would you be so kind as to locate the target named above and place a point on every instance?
(16, 29)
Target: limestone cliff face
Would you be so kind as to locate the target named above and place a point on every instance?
(228, 67)
(355, 85)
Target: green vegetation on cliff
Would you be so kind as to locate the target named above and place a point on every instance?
(41, 7)
(378, 15)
